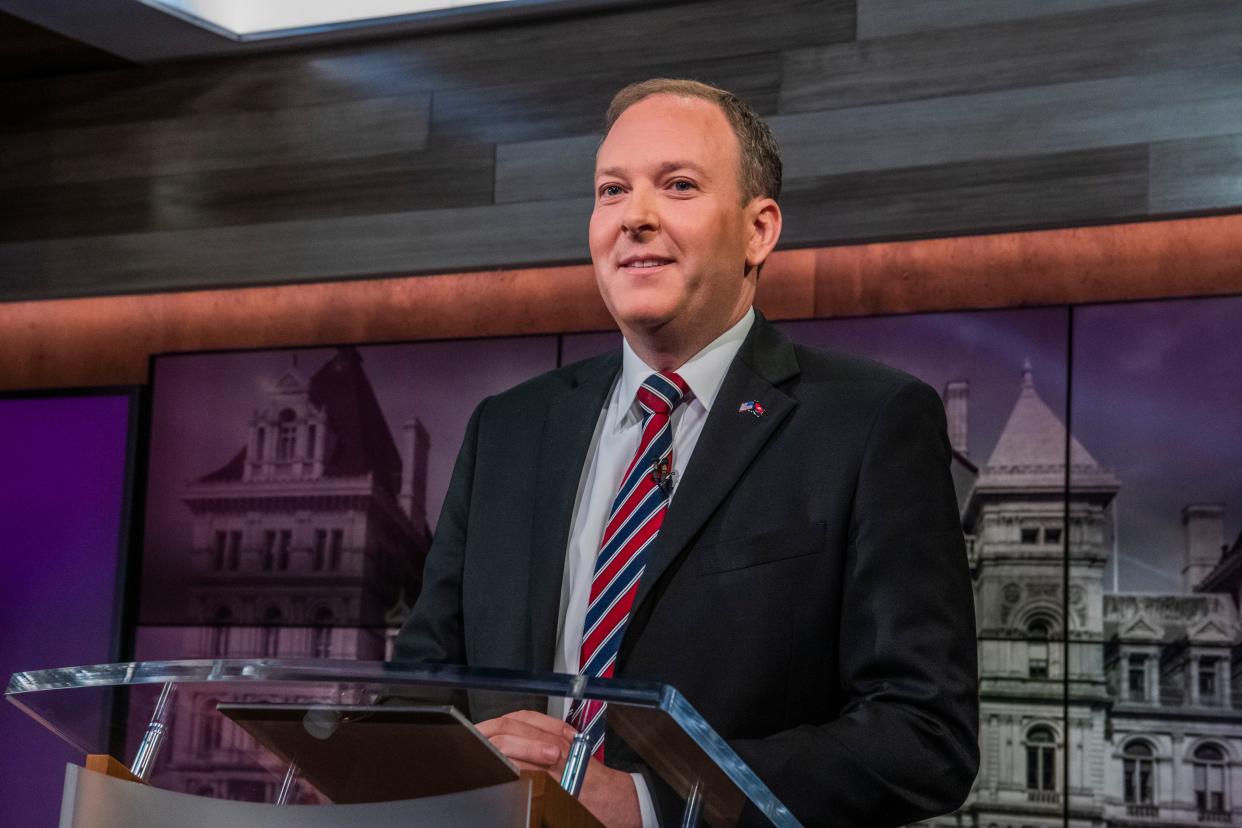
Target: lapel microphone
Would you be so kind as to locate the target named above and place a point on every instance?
(662, 476)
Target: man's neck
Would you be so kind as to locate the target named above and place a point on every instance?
(665, 350)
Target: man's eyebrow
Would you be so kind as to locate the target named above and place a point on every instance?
(664, 169)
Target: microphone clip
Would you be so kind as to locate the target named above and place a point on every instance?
(662, 476)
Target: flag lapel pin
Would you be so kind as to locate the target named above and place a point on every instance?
(753, 406)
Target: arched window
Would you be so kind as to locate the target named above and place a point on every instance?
(286, 434)
(1139, 764)
(1209, 765)
(1041, 759)
(271, 631)
(1038, 633)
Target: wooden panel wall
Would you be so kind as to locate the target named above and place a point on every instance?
(46, 340)
(473, 149)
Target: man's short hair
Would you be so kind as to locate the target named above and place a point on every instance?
(760, 173)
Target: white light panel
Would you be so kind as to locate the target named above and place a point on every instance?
(244, 19)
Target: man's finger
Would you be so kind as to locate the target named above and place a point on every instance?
(541, 753)
(544, 722)
(515, 725)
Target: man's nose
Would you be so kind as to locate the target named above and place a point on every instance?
(640, 215)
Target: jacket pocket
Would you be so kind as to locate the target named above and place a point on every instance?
(762, 548)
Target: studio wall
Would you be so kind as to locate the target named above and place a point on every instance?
(472, 149)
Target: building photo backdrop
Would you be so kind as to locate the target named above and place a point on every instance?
(1099, 486)
(291, 495)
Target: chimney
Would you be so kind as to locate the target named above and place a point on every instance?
(414, 446)
(1205, 537)
(956, 398)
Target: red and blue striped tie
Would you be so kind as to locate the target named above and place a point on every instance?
(635, 518)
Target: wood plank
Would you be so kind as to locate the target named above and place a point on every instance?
(576, 105)
(627, 39)
(541, 170)
(529, 52)
(886, 18)
(1201, 174)
(1122, 262)
(216, 141)
(1038, 120)
(1019, 193)
(45, 341)
(1102, 43)
(398, 182)
(967, 128)
(419, 241)
(253, 84)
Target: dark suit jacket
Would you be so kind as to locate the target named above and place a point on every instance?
(808, 591)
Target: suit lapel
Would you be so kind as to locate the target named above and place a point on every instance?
(728, 443)
(567, 432)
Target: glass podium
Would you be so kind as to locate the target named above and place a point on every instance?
(348, 734)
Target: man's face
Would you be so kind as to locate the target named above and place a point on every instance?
(669, 232)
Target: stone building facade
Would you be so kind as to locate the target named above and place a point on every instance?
(1096, 708)
(308, 543)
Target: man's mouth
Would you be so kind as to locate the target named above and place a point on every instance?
(645, 262)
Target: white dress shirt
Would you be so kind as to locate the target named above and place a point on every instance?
(616, 438)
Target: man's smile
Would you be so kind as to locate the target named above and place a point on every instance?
(644, 262)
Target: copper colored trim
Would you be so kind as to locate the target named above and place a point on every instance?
(107, 340)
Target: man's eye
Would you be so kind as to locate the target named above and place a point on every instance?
(683, 186)
(609, 190)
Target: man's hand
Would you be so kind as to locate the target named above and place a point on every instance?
(533, 741)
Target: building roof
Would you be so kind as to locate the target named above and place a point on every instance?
(363, 443)
(230, 471)
(1030, 453)
(1163, 619)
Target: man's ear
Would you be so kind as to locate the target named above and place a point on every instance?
(764, 217)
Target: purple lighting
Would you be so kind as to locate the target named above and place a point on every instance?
(62, 491)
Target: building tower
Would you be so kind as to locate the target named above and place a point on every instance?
(1015, 521)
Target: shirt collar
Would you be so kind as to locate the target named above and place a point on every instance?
(704, 372)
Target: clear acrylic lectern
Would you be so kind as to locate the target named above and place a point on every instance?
(353, 734)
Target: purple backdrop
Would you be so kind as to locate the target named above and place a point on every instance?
(1158, 397)
(61, 500)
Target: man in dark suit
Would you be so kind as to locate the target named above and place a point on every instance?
(802, 578)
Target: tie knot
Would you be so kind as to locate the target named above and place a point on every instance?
(660, 393)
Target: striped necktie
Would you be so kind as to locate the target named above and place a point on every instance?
(635, 518)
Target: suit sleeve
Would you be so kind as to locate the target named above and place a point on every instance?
(904, 746)
(434, 632)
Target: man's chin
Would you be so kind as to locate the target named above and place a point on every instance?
(646, 321)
